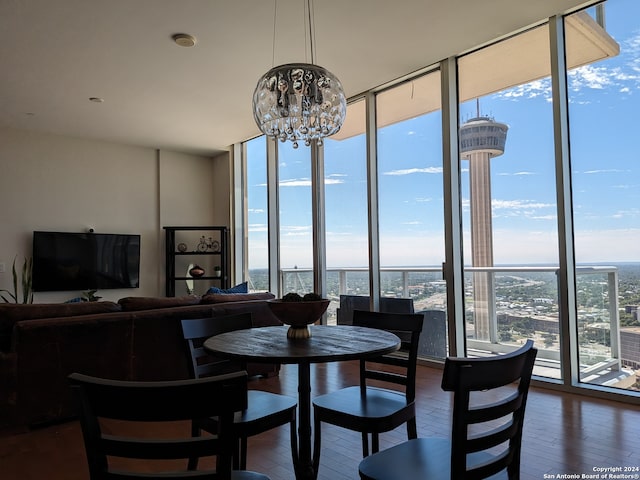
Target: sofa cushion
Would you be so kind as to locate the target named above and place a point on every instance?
(131, 304)
(11, 313)
(240, 288)
(235, 297)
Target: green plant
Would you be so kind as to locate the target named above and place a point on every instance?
(25, 279)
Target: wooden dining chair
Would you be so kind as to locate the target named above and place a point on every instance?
(111, 447)
(369, 409)
(489, 400)
(264, 411)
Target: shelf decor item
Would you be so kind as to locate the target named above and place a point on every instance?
(217, 271)
(182, 247)
(299, 312)
(205, 245)
(196, 271)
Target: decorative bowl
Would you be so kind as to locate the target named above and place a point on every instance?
(196, 271)
(298, 315)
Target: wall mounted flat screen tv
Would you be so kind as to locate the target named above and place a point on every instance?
(85, 261)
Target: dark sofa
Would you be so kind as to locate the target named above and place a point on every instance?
(134, 339)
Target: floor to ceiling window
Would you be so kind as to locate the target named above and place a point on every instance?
(603, 109)
(257, 254)
(347, 243)
(509, 199)
(295, 219)
(519, 228)
(410, 203)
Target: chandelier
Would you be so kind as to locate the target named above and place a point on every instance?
(299, 101)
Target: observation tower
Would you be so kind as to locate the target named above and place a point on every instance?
(481, 139)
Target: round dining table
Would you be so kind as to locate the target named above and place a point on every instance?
(326, 344)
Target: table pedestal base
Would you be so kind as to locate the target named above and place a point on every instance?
(299, 332)
(304, 468)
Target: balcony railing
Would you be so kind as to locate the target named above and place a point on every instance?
(522, 302)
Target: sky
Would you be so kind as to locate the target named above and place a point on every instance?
(604, 101)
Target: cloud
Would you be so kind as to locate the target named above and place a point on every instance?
(537, 88)
(516, 208)
(256, 210)
(306, 182)
(585, 77)
(411, 171)
(338, 234)
(257, 227)
(632, 212)
(519, 204)
(296, 182)
(516, 174)
(624, 77)
(296, 230)
(333, 181)
(590, 76)
(607, 170)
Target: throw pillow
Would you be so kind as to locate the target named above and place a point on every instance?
(240, 288)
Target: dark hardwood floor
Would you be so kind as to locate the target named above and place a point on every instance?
(563, 434)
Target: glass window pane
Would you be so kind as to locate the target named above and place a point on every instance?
(257, 225)
(345, 163)
(296, 235)
(603, 111)
(509, 199)
(410, 189)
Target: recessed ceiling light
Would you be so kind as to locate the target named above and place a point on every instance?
(96, 99)
(184, 39)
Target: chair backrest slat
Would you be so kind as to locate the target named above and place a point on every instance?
(408, 327)
(196, 330)
(126, 447)
(219, 396)
(493, 411)
(389, 377)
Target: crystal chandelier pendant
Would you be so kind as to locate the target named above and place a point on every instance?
(299, 102)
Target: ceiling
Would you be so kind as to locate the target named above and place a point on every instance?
(56, 55)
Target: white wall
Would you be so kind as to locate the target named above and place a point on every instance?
(51, 182)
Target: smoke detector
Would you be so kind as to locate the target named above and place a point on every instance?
(184, 39)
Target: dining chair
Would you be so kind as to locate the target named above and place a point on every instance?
(264, 410)
(111, 447)
(370, 409)
(489, 400)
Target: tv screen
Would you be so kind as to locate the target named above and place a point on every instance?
(85, 261)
